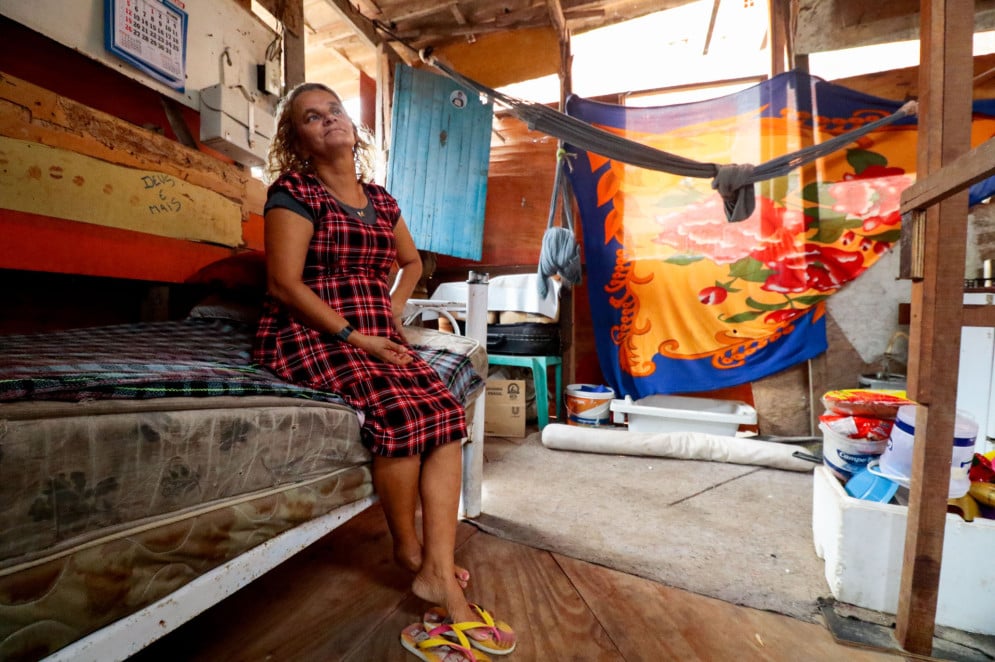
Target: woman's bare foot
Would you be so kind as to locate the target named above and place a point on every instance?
(411, 559)
(447, 593)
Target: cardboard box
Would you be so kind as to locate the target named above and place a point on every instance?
(504, 408)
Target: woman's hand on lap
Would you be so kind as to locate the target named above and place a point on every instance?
(385, 349)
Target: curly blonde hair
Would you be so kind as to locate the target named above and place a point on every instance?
(284, 152)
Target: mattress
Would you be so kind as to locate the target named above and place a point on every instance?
(157, 453)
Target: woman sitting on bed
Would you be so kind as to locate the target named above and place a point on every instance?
(332, 322)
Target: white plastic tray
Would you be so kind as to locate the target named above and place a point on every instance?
(682, 413)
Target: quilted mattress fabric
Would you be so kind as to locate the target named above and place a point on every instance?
(49, 604)
(65, 480)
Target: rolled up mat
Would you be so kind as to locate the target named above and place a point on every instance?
(679, 445)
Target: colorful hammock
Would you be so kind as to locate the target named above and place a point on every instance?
(681, 299)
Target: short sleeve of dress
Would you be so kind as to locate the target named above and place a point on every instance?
(384, 202)
(280, 198)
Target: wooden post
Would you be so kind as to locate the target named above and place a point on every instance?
(568, 325)
(385, 97)
(939, 248)
(778, 30)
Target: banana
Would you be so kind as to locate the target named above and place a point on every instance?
(983, 493)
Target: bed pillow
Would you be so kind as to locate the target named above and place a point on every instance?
(231, 288)
(217, 306)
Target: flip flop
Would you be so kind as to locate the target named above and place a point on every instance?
(432, 647)
(501, 639)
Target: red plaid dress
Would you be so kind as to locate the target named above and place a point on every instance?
(407, 409)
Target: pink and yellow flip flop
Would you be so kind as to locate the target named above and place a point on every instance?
(501, 638)
(440, 644)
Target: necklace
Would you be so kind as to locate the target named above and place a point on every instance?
(357, 212)
(365, 214)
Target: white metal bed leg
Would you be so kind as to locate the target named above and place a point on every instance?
(473, 452)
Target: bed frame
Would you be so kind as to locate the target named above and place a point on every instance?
(127, 636)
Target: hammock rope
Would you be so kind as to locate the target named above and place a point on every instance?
(734, 182)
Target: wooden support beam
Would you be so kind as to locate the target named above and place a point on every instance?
(937, 311)
(976, 165)
(384, 97)
(293, 60)
(778, 36)
(978, 315)
(290, 14)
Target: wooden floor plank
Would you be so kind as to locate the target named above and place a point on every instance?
(345, 599)
(313, 606)
(650, 621)
(526, 588)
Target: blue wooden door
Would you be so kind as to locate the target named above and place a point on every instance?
(440, 149)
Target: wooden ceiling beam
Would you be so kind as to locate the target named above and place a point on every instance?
(711, 26)
(364, 29)
(359, 23)
(369, 8)
(457, 14)
(556, 17)
(426, 37)
(344, 59)
(858, 12)
(415, 10)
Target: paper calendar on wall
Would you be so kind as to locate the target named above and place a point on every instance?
(151, 35)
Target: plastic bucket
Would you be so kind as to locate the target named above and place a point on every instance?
(896, 461)
(845, 456)
(588, 404)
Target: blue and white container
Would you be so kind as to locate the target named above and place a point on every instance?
(896, 461)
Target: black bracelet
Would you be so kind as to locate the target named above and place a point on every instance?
(344, 333)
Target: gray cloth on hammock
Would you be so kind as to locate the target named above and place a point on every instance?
(560, 253)
(734, 182)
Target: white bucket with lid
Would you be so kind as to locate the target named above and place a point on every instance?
(896, 461)
(588, 404)
(846, 456)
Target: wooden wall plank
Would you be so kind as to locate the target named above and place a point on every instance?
(33, 114)
(504, 58)
(63, 184)
(39, 243)
(30, 112)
